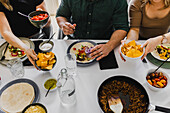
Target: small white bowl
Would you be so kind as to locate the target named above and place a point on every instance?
(45, 42)
(155, 88)
(129, 58)
(49, 79)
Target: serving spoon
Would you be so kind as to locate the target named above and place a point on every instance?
(161, 65)
(115, 104)
(51, 37)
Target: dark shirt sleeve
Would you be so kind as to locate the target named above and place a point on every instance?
(64, 9)
(38, 2)
(120, 16)
(135, 13)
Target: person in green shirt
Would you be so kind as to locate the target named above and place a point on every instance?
(95, 19)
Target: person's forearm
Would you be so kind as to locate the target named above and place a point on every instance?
(116, 38)
(133, 34)
(61, 21)
(13, 40)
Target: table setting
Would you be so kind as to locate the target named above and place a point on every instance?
(67, 66)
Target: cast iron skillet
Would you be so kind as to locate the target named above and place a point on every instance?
(138, 86)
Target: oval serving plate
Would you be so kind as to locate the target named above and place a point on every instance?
(155, 54)
(77, 45)
(34, 85)
(23, 58)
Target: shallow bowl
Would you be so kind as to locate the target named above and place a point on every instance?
(155, 88)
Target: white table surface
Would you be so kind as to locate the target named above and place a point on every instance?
(87, 82)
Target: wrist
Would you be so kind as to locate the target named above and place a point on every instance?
(164, 39)
(110, 44)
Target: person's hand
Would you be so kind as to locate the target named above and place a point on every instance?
(32, 56)
(39, 9)
(150, 45)
(68, 28)
(100, 51)
(122, 43)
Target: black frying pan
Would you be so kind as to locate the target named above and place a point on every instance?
(138, 86)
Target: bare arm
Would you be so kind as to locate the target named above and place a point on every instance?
(133, 34)
(8, 35)
(116, 37)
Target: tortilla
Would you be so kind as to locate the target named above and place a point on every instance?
(16, 97)
(8, 55)
(78, 46)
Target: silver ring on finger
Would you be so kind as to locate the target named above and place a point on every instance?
(101, 53)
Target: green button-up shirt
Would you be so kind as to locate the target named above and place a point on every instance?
(96, 19)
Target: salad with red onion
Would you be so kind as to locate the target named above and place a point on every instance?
(16, 51)
(83, 54)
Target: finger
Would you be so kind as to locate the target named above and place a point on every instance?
(70, 25)
(34, 57)
(100, 57)
(121, 56)
(34, 54)
(66, 32)
(123, 41)
(74, 25)
(71, 32)
(38, 9)
(146, 52)
(96, 48)
(67, 28)
(32, 61)
(145, 44)
(97, 53)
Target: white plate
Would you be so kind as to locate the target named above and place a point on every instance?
(23, 58)
(77, 45)
(156, 54)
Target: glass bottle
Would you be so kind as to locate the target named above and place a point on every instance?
(66, 88)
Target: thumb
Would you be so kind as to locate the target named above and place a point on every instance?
(144, 45)
(38, 9)
(74, 25)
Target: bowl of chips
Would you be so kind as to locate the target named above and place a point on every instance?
(46, 61)
(131, 50)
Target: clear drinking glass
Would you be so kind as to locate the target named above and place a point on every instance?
(16, 67)
(71, 65)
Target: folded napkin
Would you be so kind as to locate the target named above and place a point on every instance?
(108, 62)
(36, 43)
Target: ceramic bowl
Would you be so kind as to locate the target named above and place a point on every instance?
(34, 104)
(45, 42)
(130, 58)
(47, 80)
(153, 87)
